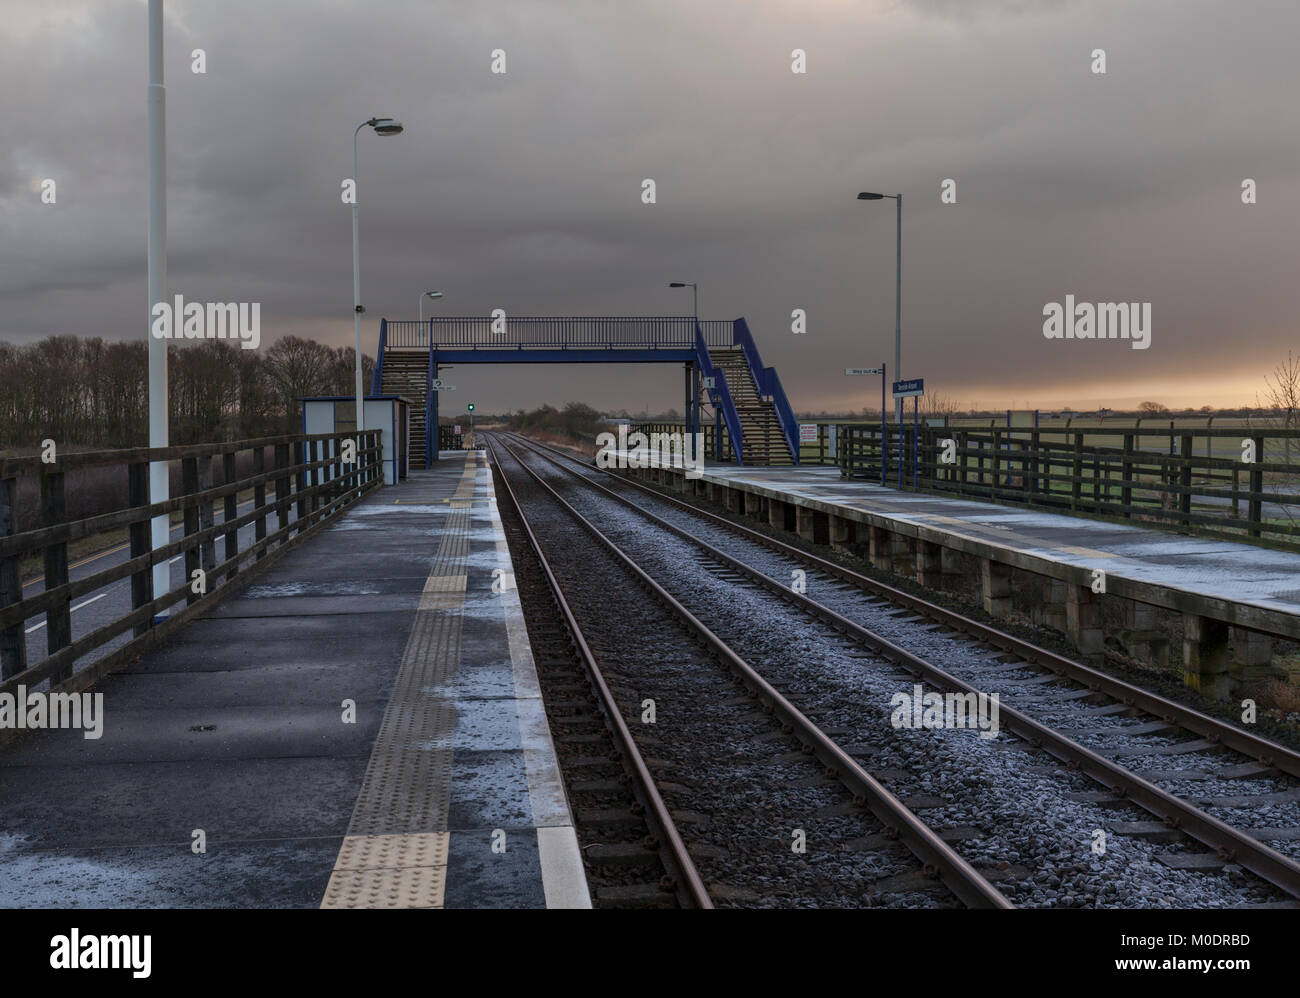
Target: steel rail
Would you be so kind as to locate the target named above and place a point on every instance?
(1212, 729)
(1228, 842)
(967, 883)
(671, 846)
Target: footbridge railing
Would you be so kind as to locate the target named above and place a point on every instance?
(520, 332)
(588, 339)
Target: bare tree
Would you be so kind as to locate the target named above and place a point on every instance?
(88, 392)
(936, 404)
(1282, 396)
(298, 367)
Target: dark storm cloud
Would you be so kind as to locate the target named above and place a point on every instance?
(522, 191)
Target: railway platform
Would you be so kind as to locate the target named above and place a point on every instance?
(359, 727)
(1229, 601)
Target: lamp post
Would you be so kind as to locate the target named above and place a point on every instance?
(427, 294)
(382, 126)
(692, 392)
(156, 103)
(898, 297)
(695, 296)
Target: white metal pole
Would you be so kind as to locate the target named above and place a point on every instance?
(898, 311)
(695, 312)
(356, 285)
(159, 487)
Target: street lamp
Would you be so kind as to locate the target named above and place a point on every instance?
(427, 294)
(382, 126)
(692, 413)
(695, 296)
(159, 486)
(898, 298)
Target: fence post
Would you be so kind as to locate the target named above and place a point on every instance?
(994, 434)
(316, 476)
(259, 499)
(137, 487)
(963, 443)
(207, 548)
(928, 463)
(13, 639)
(189, 486)
(337, 470)
(1126, 470)
(1034, 486)
(1256, 508)
(1105, 485)
(1185, 480)
(300, 483)
(282, 487)
(58, 618)
(1076, 472)
(228, 464)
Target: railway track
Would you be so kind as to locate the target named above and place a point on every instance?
(1079, 721)
(636, 856)
(749, 803)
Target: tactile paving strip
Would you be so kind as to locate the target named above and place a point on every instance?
(392, 852)
(409, 887)
(395, 851)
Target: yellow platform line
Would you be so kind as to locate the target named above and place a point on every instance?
(395, 852)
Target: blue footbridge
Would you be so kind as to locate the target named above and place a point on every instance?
(724, 377)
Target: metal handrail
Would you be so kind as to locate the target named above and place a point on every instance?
(584, 332)
(768, 384)
(720, 395)
(377, 375)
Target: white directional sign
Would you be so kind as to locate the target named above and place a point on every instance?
(440, 386)
(862, 370)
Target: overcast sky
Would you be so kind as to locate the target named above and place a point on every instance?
(523, 191)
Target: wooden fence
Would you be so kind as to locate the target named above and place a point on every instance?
(1240, 483)
(309, 484)
(1232, 484)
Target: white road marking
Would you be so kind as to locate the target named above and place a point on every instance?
(77, 607)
